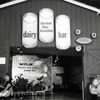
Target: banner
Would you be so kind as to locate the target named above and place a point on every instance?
(30, 67)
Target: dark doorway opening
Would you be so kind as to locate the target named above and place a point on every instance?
(71, 74)
(69, 65)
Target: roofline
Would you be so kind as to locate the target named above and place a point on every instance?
(77, 3)
(11, 3)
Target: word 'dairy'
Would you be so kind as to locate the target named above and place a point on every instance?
(29, 35)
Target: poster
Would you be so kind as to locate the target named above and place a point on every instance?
(31, 67)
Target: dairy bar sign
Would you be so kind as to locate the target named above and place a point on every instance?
(48, 29)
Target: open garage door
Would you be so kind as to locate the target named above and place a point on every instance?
(68, 71)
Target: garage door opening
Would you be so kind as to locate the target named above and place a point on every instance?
(68, 71)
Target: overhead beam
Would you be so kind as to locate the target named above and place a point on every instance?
(77, 3)
(13, 2)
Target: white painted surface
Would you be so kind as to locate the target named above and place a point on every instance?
(46, 25)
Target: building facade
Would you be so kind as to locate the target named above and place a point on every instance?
(86, 21)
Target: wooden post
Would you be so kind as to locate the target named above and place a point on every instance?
(84, 73)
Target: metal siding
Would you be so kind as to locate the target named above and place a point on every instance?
(11, 20)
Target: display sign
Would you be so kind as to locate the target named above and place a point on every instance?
(46, 29)
(29, 31)
(2, 60)
(83, 40)
(46, 25)
(31, 67)
(63, 38)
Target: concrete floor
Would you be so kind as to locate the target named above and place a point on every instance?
(60, 96)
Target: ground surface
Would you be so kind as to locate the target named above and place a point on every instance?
(60, 96)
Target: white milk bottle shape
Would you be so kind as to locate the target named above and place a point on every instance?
(29, 31)
(63, 38)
